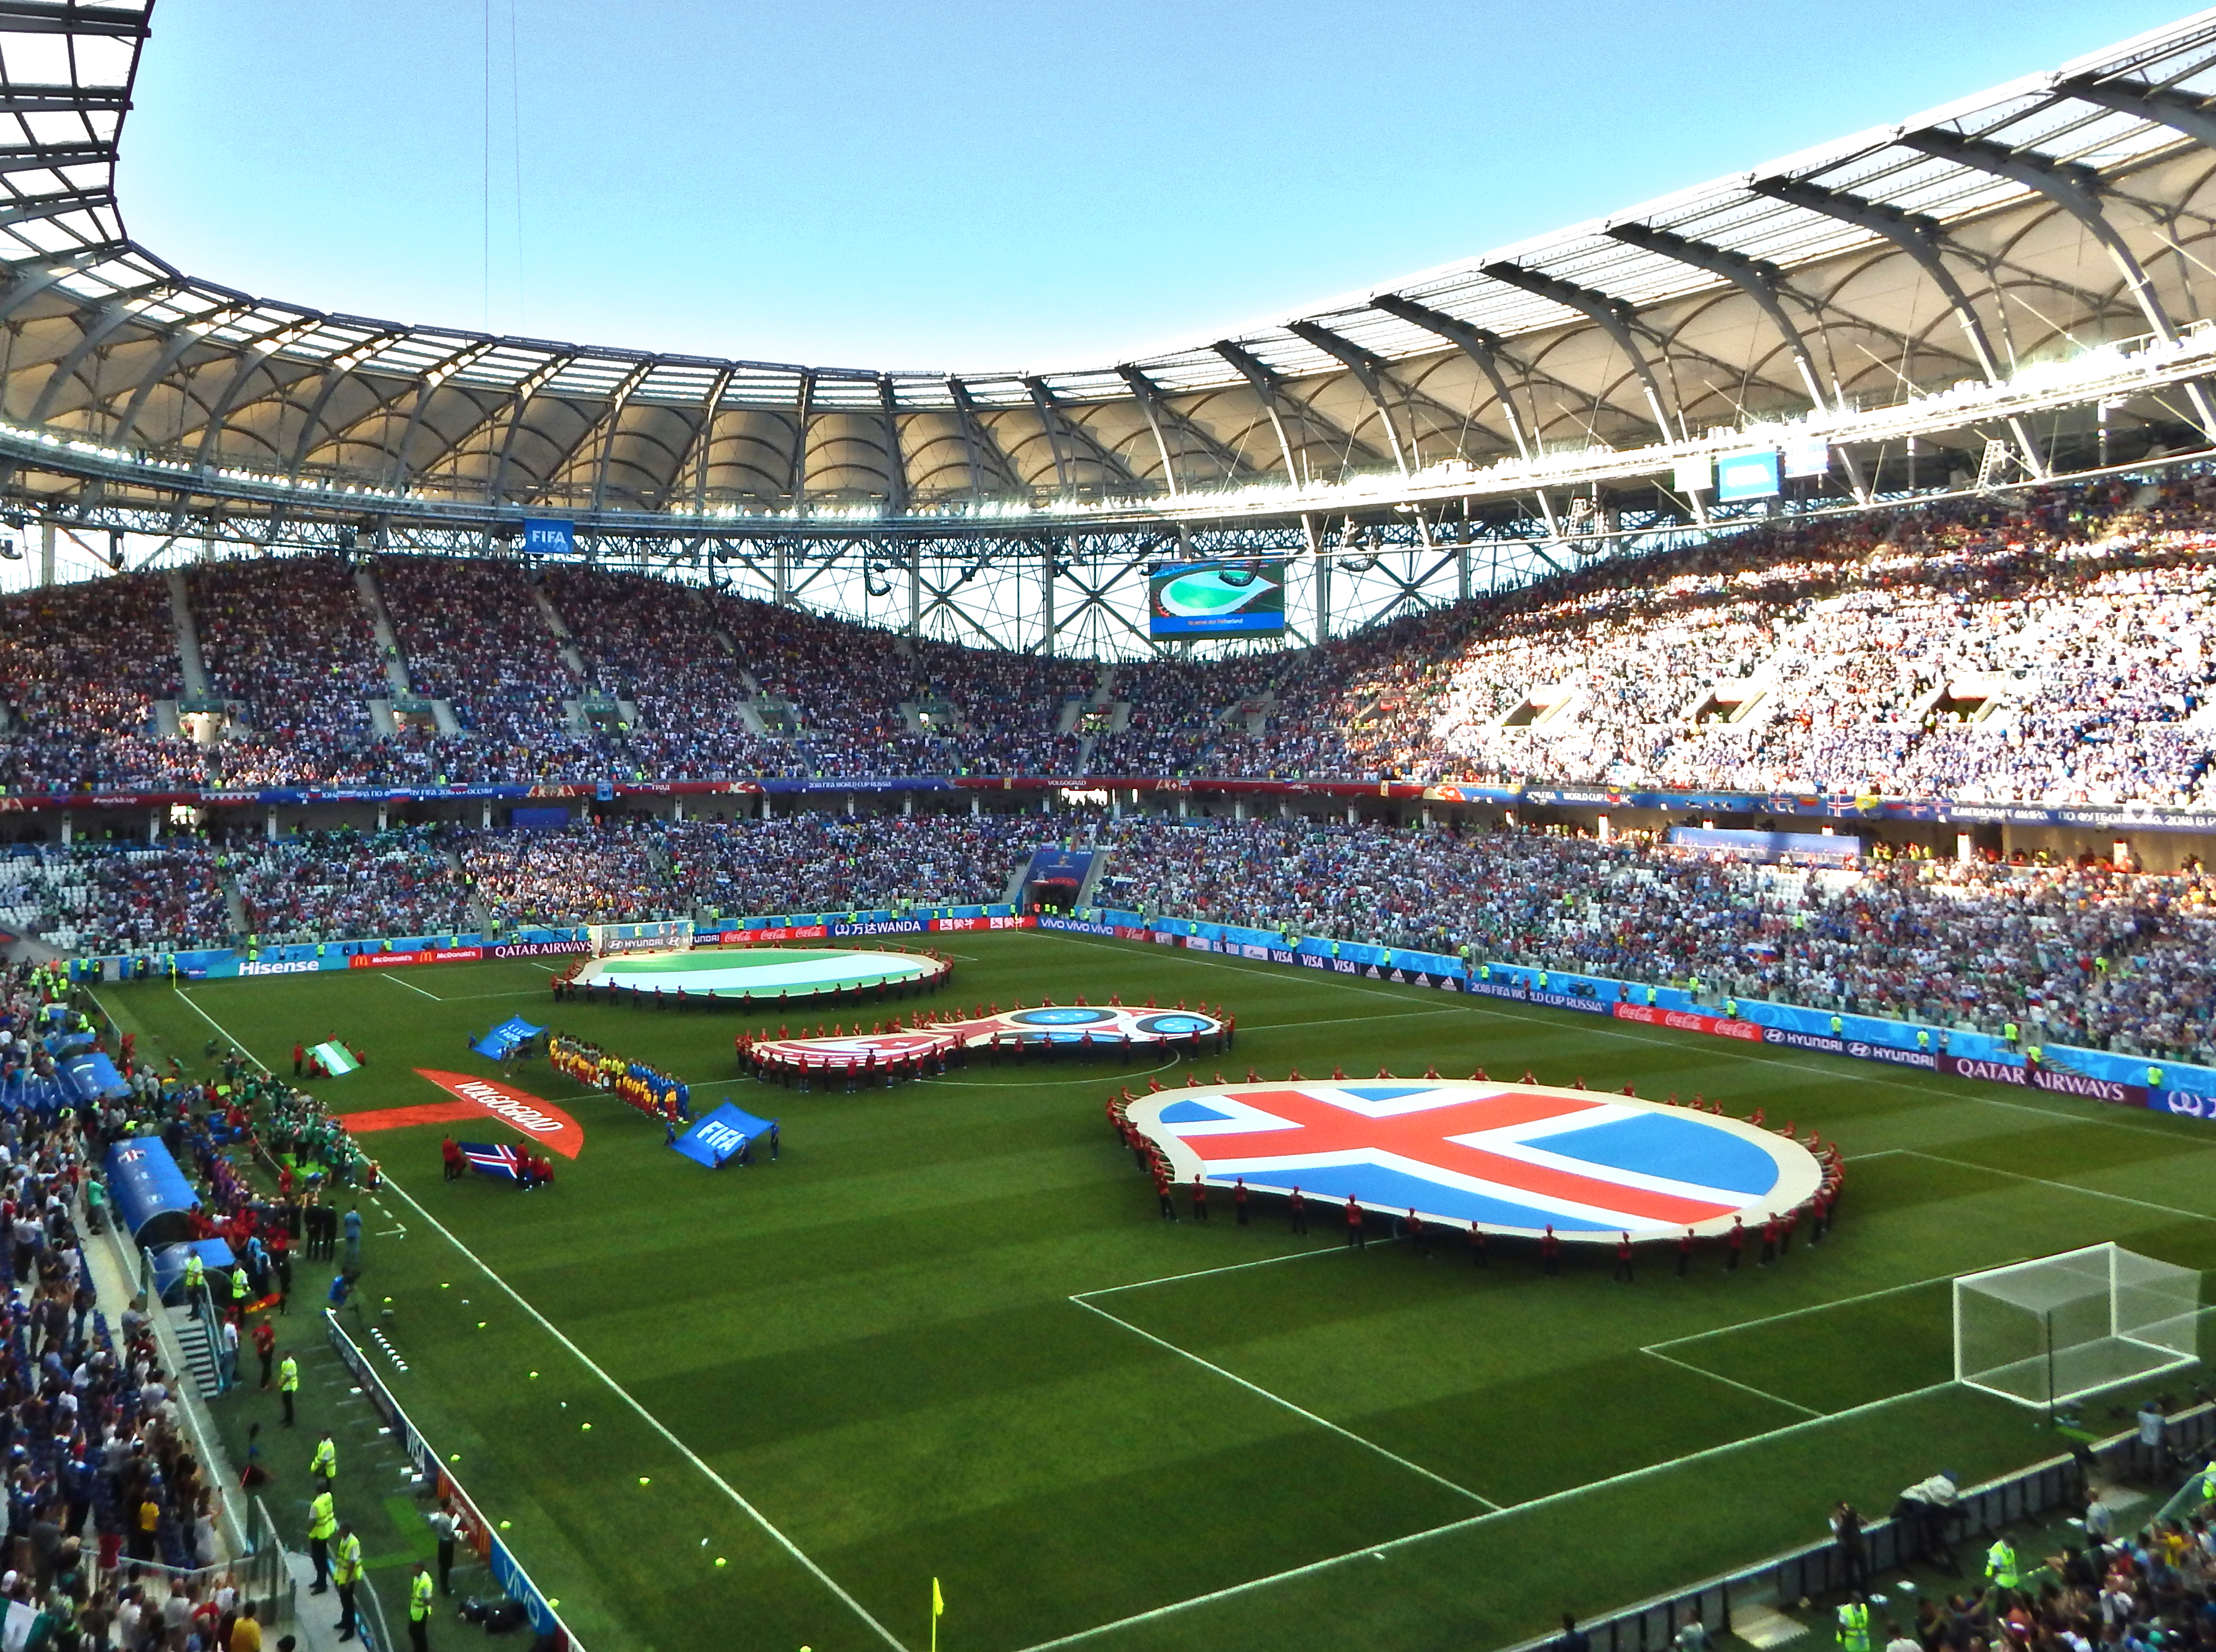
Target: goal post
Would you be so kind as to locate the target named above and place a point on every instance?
(658, 934)
(2045, 1332)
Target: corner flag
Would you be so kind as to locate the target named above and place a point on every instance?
(938, 1606)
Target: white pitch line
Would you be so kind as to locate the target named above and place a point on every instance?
(1228, 1267)
(2066, 1187)
(615, 1387)
(395, 979)
(1279, 1399)
(1469, 1521)
(1817, 1307)
(1733, 1382)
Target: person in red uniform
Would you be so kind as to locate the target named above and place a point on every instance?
(1477, 1247)
(1239, 1200)
(1550, 1252)
(1769, 1241)
(1199, 1198)
(1357, 1235)
(1819, 1211)
(1623, 1257)
(449, 1151)
(1684, 1253)
(1735, 1242)
(1299, 1213)
(265, 1344)
(1416, 1234)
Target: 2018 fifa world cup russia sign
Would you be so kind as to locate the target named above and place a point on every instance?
(1511, 1159)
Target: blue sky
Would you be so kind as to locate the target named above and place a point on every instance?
(982, 186)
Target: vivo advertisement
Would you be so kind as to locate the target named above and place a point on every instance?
(1245, 597)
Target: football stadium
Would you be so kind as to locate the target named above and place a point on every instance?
(1525, 960)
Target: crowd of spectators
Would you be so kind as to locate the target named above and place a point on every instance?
(2053, 648)
(347, 886)
(2078, 955)
(148, 899)
(291, 642)
(80, 669)
(103, 1485)
(614, 872)
(826, 863)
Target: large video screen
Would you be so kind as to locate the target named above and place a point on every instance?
(1245, 597)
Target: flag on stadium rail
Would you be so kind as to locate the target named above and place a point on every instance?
(1511, 1158)
(336, 1057)
(502, 1160)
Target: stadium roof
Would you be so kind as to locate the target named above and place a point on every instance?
(2065, 215)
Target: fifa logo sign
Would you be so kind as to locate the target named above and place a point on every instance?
(720, 1138)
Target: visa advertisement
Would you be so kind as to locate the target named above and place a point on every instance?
(1242, 597)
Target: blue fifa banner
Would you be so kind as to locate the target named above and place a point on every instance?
(1242, 598)
(1747, 476)
(150, 1192)
(544, 537)
(506, 1038)
(725, 1134)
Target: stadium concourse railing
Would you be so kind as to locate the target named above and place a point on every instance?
(553, 1634)
(1817, 1570)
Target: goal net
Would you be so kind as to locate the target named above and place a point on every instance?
(2044, 1332)
(661, 935)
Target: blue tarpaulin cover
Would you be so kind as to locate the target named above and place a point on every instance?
(503, 1040)
(92, 1077)
(150, 1193)
(722, 1133)
(169, 1265)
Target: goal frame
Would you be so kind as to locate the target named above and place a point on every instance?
(2121, 1355)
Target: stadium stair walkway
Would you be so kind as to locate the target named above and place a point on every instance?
(388, 640)
(190, 666)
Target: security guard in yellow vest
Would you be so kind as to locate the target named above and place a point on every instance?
(288, 1384)
(346, 1572)
(419, 1609)
(238, 1287)
(325, 1462)
(323, 1523)
(195, 1273)
(1853, 1625)
(2000, 1564)
(2208, 1482)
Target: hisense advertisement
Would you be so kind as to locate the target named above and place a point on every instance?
(1245, 597)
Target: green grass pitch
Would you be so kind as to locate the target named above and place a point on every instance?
(927, 1341)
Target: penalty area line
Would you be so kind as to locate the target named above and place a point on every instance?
(412, 987)
(1297, 1410)
(1202, 1273)
(1471, 1521)
(1733, 1382)
(613, 1386)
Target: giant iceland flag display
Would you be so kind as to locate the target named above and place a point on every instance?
(1512, 1158)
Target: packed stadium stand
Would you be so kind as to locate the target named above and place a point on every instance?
(2058, 648)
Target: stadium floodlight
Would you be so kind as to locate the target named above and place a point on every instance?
(2045, 1332)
